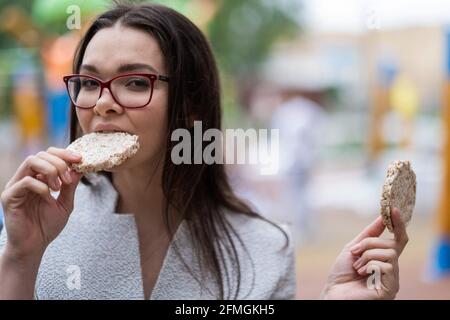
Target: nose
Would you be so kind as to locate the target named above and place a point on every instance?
(106, 104)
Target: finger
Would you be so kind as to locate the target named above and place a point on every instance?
(385, 255)
(375, 229)
(60, 165)
(66, 155)
(385, 268)
(44, 179)
(400, 234)
(26, 170)
(34, 165)
(383, 278)
(67, 193)
(372, 243)
(29, 184)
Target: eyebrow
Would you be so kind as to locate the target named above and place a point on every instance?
(122, 68)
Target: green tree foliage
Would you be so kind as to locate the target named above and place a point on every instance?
(242, 32)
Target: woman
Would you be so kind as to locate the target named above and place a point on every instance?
(150, 229)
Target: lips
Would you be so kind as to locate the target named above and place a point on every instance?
(108, 128)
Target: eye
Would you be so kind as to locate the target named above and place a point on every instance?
(89, 84)
(137, 83)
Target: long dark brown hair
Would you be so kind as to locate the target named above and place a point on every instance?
(200, 193)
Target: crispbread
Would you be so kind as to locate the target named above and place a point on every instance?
(399, 191)
(103, 151)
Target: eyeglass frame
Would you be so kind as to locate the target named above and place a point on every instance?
(107, 84)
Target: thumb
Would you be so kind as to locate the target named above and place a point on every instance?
(66, 195)
(400, 234)
(375, 229)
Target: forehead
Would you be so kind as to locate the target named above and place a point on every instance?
(119, 45)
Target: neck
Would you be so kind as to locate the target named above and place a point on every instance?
(140, 193)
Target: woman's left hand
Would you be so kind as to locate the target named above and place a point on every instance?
(367, 267)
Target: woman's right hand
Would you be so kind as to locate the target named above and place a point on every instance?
(32, 217)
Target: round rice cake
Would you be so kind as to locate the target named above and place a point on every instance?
(103, 151)
(399, 191)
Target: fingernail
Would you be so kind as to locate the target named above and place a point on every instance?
(67, 177)
(355, 248)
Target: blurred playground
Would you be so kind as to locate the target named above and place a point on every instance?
(351, 86)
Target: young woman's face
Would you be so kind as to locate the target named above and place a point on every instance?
(120, 50)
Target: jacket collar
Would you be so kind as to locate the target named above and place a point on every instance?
(105, 246)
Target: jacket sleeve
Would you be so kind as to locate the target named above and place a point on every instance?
(2, 247)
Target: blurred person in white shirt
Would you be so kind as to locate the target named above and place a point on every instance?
(300, 118)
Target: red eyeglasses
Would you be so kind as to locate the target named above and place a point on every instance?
(134, 90)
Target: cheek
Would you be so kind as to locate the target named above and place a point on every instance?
(84, 119)
(151, 123)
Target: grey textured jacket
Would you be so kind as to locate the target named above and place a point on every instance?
(96, 256)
